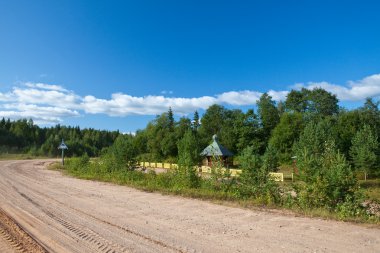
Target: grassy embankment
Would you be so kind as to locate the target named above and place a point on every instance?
(225, 194)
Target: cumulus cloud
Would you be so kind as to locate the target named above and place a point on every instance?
(123, 105)
(239, 97)
(353, 91)
(51, 104)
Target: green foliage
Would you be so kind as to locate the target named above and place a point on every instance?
(322, 102)
(370, 114)
(313, 137)
(120, 156)
(188, 157)
(270, 159)
(268, 114)
(285, 134)
(255, 180)
(78, 164)
(348, 123)
(22, 136)
(297, 101)
(195, 123)
(328, 178)
(364, 150)
(317, 102)
(161, 137)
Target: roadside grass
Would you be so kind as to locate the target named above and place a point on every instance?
(371, 187)
(163, 183)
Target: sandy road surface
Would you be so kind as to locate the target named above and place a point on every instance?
(64, 214)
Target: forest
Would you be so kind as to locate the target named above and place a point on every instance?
(23, 136)
(307, 119)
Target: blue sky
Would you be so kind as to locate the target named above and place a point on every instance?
(116, 64)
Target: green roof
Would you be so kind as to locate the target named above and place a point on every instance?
(216, 149)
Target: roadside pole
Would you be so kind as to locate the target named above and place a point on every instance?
(63, 147)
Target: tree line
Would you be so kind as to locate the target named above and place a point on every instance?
(305, 120)
(23, 136)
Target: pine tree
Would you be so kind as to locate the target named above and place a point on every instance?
(364, 149)
(195, 123)
(171, 119)
(188, 156)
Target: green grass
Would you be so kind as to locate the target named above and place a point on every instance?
(371, 187)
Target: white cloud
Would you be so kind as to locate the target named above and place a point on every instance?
(278, 95)
(239, 97)
(40, 114)
(42, 96)
(46, 103)
(123, 105)
(4, 97)
(45, 86)
(353, 91)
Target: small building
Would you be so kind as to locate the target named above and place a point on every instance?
(216, 150)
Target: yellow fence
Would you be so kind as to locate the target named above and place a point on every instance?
(277, 176)
(207, 169)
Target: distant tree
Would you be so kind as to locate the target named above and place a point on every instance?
(317, 102)
(248, 132)
(322, 102)
(141, 142)
(297, 101)
(212, 120)
(195, 122)
(162, 143)
(285, 134)
(364, 150)
(314, 136)
(281, 107)
(170, 120)
(370, 115)
(348, 123)
(211, 123)
(268, 115)
(182, 126)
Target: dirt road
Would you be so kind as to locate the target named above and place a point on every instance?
(54, 213)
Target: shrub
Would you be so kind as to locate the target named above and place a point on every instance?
(255, 180)
(328, 178)
(186, 174)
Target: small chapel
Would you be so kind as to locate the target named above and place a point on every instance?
(217, 151)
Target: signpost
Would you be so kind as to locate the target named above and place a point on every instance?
(63, 147)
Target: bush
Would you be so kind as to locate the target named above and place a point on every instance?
(255, 180)
(328, 179)
(186, 175)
